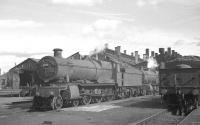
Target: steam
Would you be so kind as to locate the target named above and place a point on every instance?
(152, 63)
(98, 49)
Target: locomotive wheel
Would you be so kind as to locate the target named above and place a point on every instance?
(57, 103)
(87, 99)
(98, 99)
(75, 103)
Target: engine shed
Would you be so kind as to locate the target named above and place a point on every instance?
(23, 74)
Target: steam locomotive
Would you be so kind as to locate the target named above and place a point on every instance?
(72, 81)
(180, 85)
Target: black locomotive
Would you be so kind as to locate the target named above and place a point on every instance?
(71, 81)
(180, 85)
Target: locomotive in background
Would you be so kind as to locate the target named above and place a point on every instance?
(71, 81)
(179, 82)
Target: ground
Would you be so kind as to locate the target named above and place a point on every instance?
(118, 112)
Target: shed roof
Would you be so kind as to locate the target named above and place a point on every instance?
(31, 61)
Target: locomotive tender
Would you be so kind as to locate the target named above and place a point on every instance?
(84, 81)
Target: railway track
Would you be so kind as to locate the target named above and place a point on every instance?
(191, 119)
(164, 117)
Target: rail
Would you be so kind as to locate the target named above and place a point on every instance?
(164, 117)
(187, 117)
(148, 119)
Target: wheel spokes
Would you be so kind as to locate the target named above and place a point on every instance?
(58, 103)
(86, 99)
(75, 103)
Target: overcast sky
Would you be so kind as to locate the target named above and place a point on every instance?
(32, 28)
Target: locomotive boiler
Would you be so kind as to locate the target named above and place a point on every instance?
(54, 68)
(73, 81)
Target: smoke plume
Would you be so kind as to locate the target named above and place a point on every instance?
(152, 63)
(98, 49)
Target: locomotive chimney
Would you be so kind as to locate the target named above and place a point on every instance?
(136, 57)
(57, 52)
(147, 53)
(117, 50)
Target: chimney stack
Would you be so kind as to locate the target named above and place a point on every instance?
(156, 54)
(124, 51)
(132, 54)
(173, 52)
(117, 50)
(161, 50)
(57, 52)
(169, 51)
(176, 54)
(136, 57)
(161, 58)
(152, 54)
(147, 53)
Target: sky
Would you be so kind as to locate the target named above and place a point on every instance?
(33, 28)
